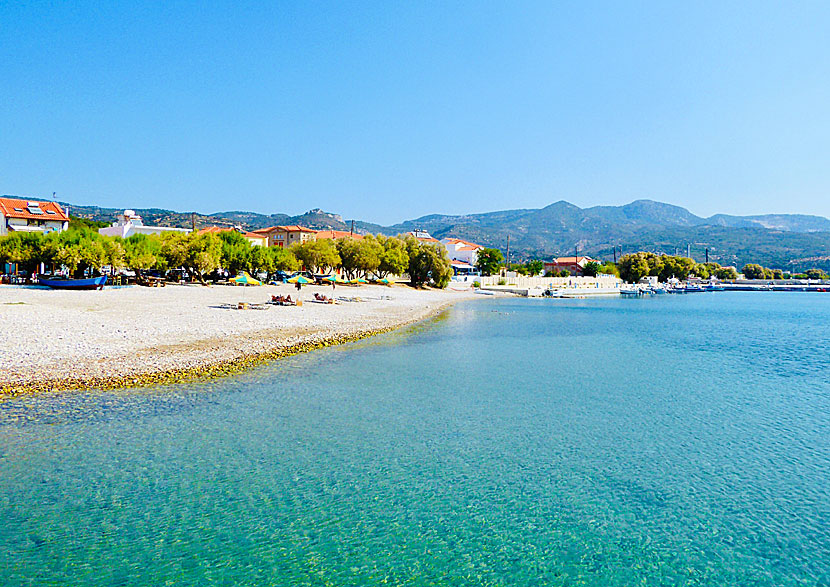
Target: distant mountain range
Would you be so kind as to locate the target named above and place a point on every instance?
(786, 241)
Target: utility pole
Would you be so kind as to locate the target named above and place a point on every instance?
(508, 251)
(707, 255)
(193, 221)
(689, 250)
(351, 232)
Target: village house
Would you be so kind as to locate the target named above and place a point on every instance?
(574, 265)
(463, 255)
(285, 236)
(255, 239)
(31, 216)
(130, 223)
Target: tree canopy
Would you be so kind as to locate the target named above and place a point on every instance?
(489, 261)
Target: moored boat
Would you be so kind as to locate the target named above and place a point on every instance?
(63, 283)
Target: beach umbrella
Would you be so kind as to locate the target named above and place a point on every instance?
(384, 281)
(358, 280)
(245, 278)
(299, 279)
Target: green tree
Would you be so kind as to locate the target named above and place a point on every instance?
(317, 255)
(394, 260)
(535, 267)
(236, 252)
(753, 271)
(701, 270)
(80, 251)
(142, 252)
(359, 256)
(428, 263)
(815, 274)
(24, 249)
(609, 268)
(725, 273)
(114, 253)
(634, 267)
(488, 261)
(591, 269)
(199, 254)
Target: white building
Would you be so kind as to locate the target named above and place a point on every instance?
(130, 223)
(461, 250)
(31, 216)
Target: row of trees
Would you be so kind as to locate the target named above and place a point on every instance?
(489, 261)
(755, 271)
(634, 266)
(82, 249)
(381, 256)
(637, 265)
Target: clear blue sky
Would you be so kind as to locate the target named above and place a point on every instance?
(387, 111)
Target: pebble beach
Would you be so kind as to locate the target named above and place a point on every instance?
(117, 337)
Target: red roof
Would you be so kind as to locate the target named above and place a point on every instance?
(461, 241)
(14, 208)
(265, 231)
(295, 228)
(335, 234)
(469, 248)
(289, 228)
(571, 260)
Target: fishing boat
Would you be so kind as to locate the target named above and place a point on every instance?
(64, 283)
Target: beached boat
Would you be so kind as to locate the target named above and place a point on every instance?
(63, 283)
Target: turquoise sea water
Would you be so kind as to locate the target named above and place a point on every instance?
(683, 440)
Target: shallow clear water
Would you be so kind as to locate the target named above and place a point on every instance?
(682, 440)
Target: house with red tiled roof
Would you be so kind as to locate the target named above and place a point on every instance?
(463, 253)
(255, 239)
(285, 236)
(31, 216)
(574, 265)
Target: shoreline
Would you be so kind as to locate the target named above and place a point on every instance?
(212, 352)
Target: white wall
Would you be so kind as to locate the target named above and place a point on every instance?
(553, 282)
(127, 230)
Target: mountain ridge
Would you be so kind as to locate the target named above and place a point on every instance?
(780, 240)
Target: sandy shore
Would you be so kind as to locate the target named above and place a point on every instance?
(133, 336)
